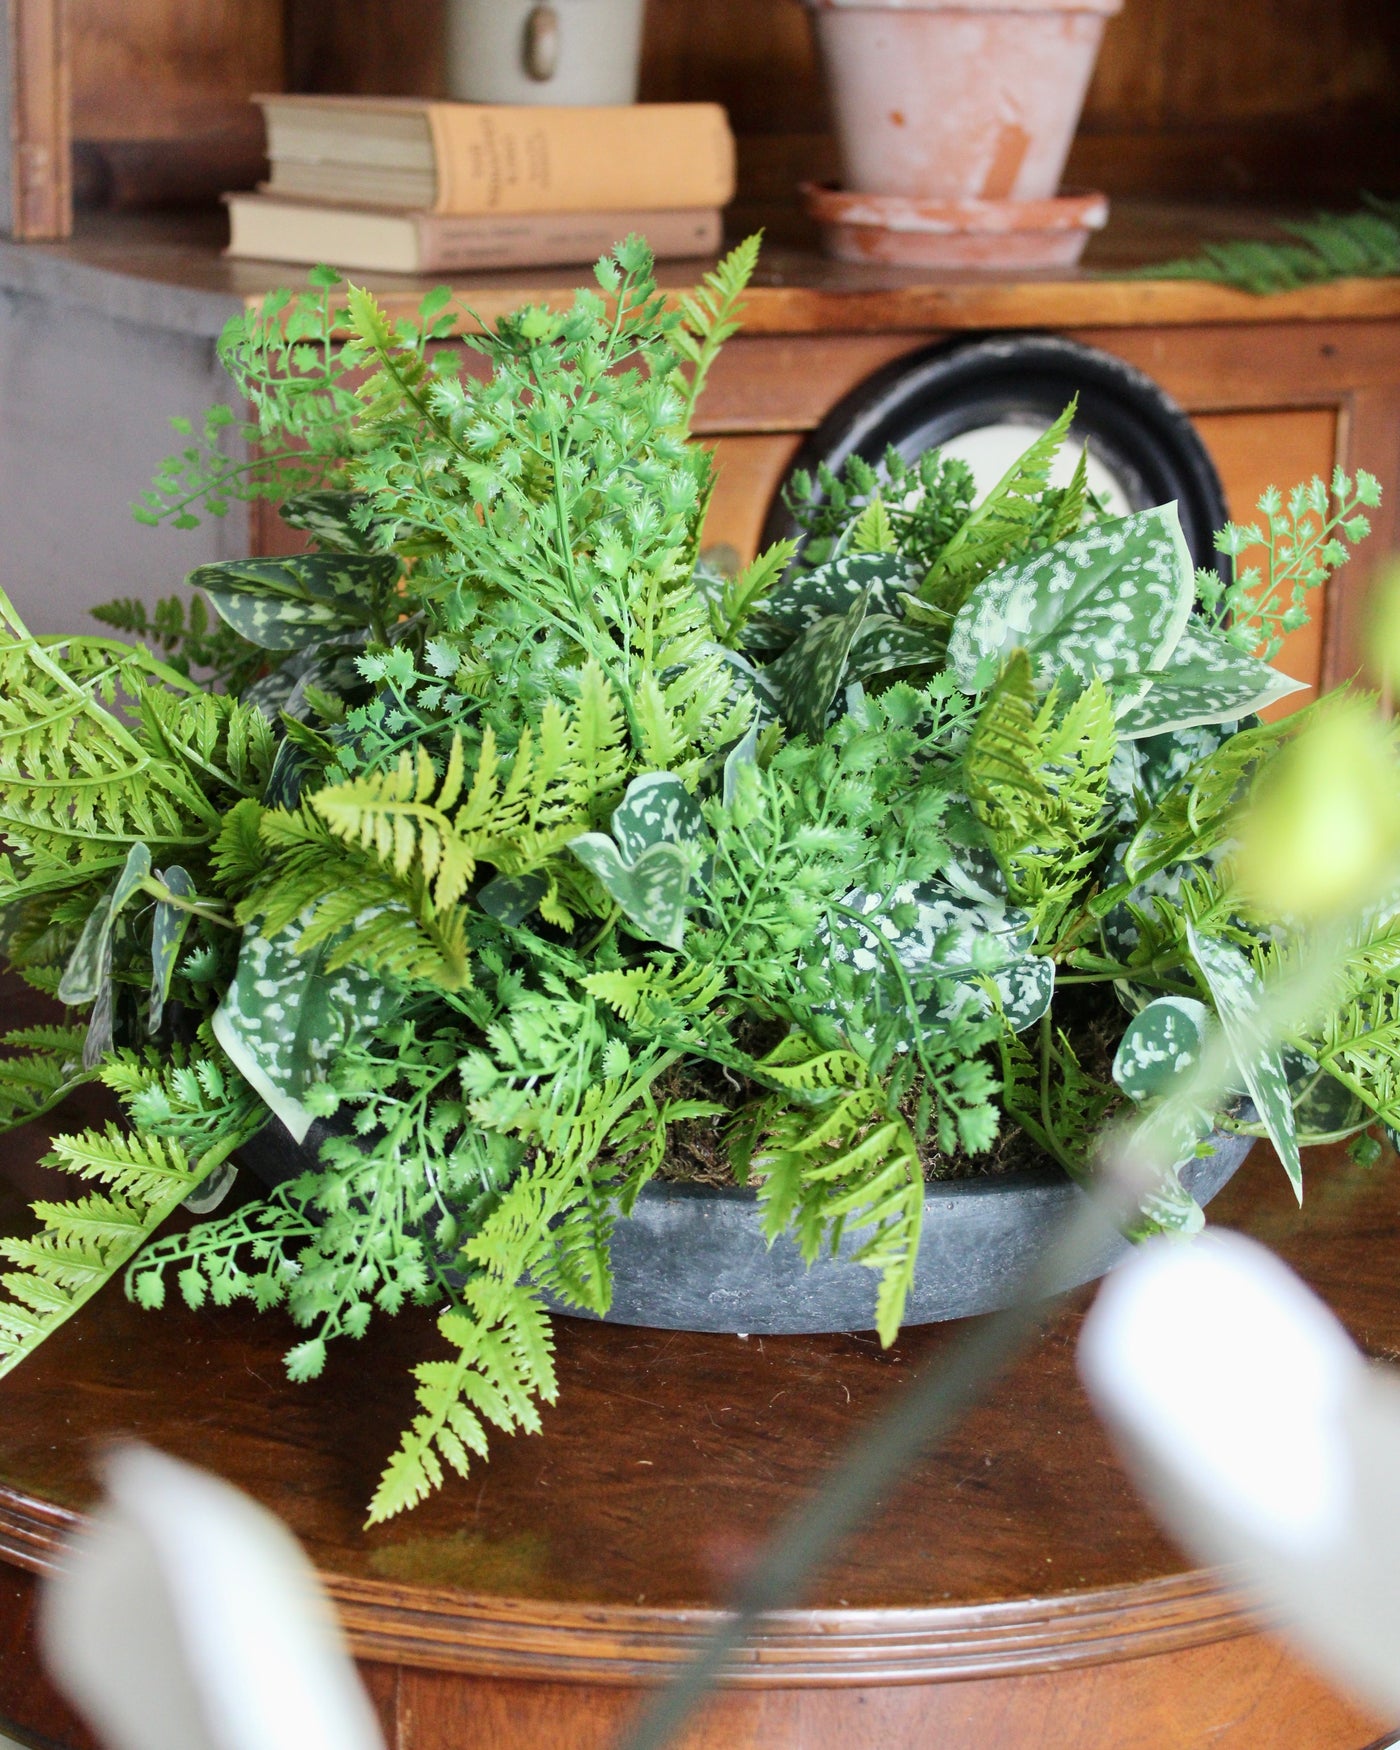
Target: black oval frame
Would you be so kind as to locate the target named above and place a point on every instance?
(1129, 422)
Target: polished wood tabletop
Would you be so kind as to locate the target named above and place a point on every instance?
(589, 1559)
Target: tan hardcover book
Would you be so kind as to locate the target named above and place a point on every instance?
(263, 227)
(463, 158)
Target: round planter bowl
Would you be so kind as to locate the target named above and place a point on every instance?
(693, 1257)
(957, 99)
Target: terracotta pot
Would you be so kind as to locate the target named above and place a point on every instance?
(957, 99)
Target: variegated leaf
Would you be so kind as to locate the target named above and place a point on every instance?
(168, 929)
(285, 604)
(935, 932)
(1112, 600)
(1239, 998)
(655, 809)
(511, 898)
(1160, 1044)
(648, 867)
(328, 517)
(84, 975)
(741, 757)
(1024, 991)
(1321, 1105)
(328, 664)
(284, 1017)
(811, 672)
(804, 597)
(653, 893)
(884, 644)
(1208, 680)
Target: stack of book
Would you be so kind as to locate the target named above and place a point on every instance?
(398, 185)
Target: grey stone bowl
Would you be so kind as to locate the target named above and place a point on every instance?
(693, 1257)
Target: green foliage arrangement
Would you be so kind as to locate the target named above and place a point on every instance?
(507, 838)
(1364, 244)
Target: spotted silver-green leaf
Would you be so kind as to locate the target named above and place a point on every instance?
(933, 931)
(330, 520)
(1024, 991)
(884, 644)
(511, 898)
(653, 892)
(804, 597)
(811, 672)
(743, 756)
(83, 976)
(655, 809)
(1321, 1105)
(1112, 600)
(748, 682)
(1169, 1208)
(328, 664)
(1161, 1043)
(168, 927)
(1239, 999)
(648, 867)
(1208, 680)
(285, 604)
(284, 1017)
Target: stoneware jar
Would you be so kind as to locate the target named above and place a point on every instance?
(544, 51)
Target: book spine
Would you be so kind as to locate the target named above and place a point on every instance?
(453, 245)
(644, 157)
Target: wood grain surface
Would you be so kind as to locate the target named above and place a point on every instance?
(36, 189)
(1016, 1561)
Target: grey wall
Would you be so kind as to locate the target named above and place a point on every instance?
(85, 400)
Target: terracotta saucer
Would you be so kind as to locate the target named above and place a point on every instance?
(985, 234)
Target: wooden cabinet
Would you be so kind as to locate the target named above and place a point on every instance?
(103, 337)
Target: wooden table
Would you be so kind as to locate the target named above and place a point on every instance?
(1011, 1594)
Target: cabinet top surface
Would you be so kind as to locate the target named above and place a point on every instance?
(168, 270)
(667, 1460)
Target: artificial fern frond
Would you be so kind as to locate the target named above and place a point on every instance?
(46, 1066)
(847, 1158)
(662, 991)
(83, 1244)
(710, 315)
(1037, 776)
(504, 1361)
(1364, 244)
(1000, 525)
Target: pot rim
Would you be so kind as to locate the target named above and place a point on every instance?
(1101, 8)
(964, 216)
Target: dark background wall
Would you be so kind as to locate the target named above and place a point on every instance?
(1193, 99)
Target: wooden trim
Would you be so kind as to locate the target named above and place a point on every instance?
(858, 304)
(37, 102)
(443, 1630)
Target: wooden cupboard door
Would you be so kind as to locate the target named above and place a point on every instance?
(748, 471)
(1253, 451)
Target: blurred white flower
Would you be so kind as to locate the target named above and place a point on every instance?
(186, 1617)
